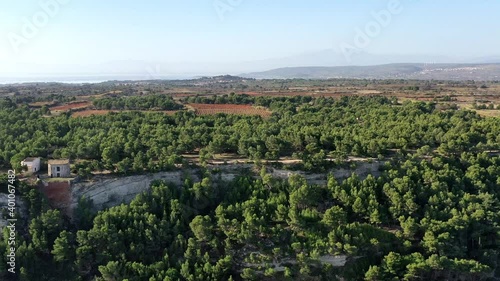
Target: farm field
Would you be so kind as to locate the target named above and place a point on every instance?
(41, 103)
(482, 112)
(465, 94)
(96, 112)
(69, 106)
(211, 109)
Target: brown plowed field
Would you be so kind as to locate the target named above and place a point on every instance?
(239, 109)
(75, 105)
(86, 113)
(41, 103)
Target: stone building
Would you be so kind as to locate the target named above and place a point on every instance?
(59, 168)
(32, 163)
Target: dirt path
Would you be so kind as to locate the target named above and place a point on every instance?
(234, 159)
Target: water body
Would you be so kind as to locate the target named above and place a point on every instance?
(84, 79)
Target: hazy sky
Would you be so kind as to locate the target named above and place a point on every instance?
(88, 32)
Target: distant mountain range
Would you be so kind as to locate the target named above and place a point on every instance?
(327, 64)
(418, 71)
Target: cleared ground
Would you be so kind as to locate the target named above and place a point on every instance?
(92, 112)
(211, 109)
(75, 105)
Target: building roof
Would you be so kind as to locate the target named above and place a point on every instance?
(30, 159)
(58, 162)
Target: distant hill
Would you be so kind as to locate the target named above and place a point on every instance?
(479, 72)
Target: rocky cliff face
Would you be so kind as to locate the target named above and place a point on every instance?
(363, 169)
(107, 192)
(20, 207)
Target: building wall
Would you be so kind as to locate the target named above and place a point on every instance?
(64, 170)
(33, 166)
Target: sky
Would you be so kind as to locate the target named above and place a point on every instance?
(188, 36)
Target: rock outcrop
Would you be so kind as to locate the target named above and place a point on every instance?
(107, 192)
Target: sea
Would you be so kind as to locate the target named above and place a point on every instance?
(85, 79)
